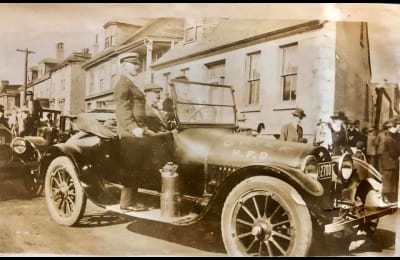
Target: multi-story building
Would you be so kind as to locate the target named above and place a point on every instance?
(9, 96)
(150, 41)
(59, 83)
(67, 89)
(276, 66)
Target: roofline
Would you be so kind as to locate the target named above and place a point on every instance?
(73, 58)
(122, 48)
(287, 31)
(111, 22)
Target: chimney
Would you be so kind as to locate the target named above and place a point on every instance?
(60, 51)
(85, 51)
(4, 83)
(96, 45)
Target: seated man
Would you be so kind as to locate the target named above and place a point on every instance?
(154, 115)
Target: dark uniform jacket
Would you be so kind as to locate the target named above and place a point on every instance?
(390, 153)
(130, 106)
(154, 119)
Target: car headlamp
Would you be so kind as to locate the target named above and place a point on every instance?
(309, 165)
(18, 145)
(345, 166)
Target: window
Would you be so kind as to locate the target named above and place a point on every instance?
(107, 42)
(289, 72)
(113, 79)
(216, 72)
(191, 34)
(91, 82)
(61, 104)
(252, 95)
(112, 41)
(113, 74)
(101, 80)
(88, 106)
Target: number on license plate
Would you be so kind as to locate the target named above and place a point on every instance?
(325, 170)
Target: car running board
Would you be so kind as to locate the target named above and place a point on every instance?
(155, 215)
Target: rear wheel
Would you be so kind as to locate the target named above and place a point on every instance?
(65, 198)
(260, 217)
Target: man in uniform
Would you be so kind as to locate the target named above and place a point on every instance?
(292, 131)
(33, 109)
(154, 116)
(131, 120)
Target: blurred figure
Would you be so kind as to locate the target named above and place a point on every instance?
(390, 161)
(340, 143)
(323, 133)
(380, 144)
(3, 120)
(293, 131)
(359, 151)
(32, 121)
(353, 132)
(372, 147)
(260, 129)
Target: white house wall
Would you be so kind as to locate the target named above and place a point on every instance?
(315, 80)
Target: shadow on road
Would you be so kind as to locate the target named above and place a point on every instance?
(202, 235)
(102, 219)
(381, 240)
(13, 189)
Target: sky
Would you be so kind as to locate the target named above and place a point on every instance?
(39, 27)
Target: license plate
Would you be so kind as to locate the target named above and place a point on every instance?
(325, 170)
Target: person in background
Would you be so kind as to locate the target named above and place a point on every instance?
(359, 151)
(390, 161)
(353, 132)
(323, 134)
(33, 110)
(293, 131)
(372, 147)
(340, 143)
(380, 144)
(260, 129)
(3, 120)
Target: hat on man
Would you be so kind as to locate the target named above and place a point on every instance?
(131, 57)
(152, 87)
(339, 115)
(299, 113)
(29, 93)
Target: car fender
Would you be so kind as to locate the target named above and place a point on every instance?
(308, 187)
(57, 150)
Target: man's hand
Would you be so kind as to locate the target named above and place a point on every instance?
(138, 132)
(149, 132)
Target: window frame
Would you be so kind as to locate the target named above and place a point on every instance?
(249, 80)
(284, 75)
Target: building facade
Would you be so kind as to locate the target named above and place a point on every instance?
(59, 83)
(150, 41)
(9, 96)
(276, 66)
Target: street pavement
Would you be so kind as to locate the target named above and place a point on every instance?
(27, 229)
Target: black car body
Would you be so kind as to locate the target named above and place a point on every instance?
(269, 196)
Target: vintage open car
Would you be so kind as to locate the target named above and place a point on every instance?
(270, 197)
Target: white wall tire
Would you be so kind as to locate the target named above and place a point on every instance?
(261, 218)
(65, 198)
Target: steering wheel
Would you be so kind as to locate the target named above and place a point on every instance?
(197, 111)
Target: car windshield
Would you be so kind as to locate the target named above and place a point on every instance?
(198, 103)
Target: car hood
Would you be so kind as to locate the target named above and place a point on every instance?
(222, 147)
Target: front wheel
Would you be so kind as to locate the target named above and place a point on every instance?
(65, 198)
(260, 217)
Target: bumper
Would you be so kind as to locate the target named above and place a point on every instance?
(363, 217)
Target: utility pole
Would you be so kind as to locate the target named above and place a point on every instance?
(27, 52)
